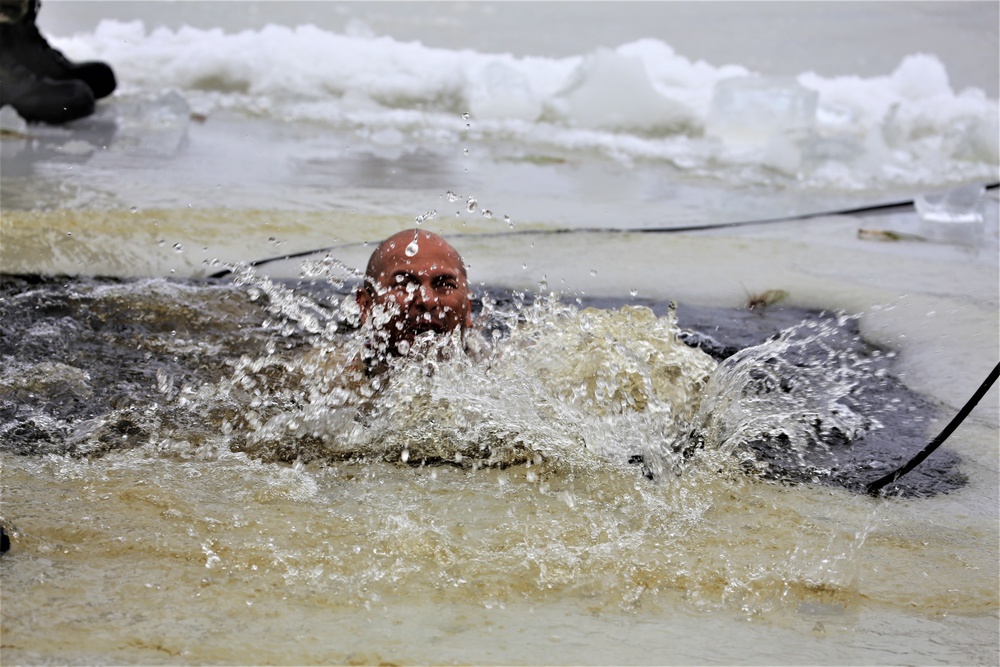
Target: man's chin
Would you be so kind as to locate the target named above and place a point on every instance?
(423, 340)
(428, 330)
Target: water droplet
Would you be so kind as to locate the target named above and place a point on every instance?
(412, 249)
(162, 242)
(524, 266)
(134, 209)
(466, 116)
(178, 247)
(465, 151)
(426, 216)
(69, 233)
(471, 205)
(487, 213)
(593, 272)
(633, 293)
(452, 197)
(510, 223)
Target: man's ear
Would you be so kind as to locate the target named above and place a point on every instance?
(364, 299)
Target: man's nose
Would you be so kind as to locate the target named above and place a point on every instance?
(425, 296)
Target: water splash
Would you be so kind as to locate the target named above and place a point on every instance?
(429, 215)
(795, 400)
(600, 454)
(546, 381)
(534, 376)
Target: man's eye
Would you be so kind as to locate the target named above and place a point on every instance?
(405, 282)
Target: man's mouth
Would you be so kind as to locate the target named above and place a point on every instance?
(423, 323)
(423, 326)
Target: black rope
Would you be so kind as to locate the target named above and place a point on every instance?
(872, 208)
(874, 487)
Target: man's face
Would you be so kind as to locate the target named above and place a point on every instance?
(417, 284)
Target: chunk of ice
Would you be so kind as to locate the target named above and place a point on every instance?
(503, 92)
(152, 125)
(953, 216)
(612, 91)
(752, 111)
(961, 205)
(11, 121)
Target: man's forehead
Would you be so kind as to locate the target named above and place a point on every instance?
(409, 266)
(393, 266)
(427, 255)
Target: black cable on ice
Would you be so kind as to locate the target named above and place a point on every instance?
(874, 487)
(872, 208)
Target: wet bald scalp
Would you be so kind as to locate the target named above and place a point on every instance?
(396, 244)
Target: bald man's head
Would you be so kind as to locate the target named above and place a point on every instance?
(415, 283)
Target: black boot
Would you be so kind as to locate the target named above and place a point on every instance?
(12, 10)
(32, 50)
(40, 100)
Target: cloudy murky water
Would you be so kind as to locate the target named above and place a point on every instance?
(183, 452)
